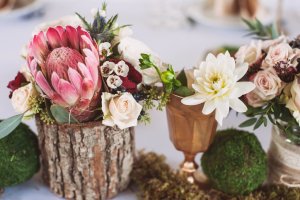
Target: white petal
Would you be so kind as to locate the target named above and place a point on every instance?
(242, 88)
(223, 108)
(208, 107)
(219, 117)
(237, 105)
(193, 100)
(241, 70)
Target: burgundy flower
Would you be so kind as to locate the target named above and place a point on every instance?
(132, 80)
(16, 83)
(285, 71)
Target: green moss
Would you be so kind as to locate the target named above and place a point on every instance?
(235, 163)
(19, 156)
(156, 180)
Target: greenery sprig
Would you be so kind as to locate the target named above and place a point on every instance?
(260, 31)
(102, 29)
(171, 82)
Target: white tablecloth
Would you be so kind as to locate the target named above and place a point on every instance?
(180, 46)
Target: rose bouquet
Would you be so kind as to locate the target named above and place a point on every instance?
(84, 72)
(274, 67)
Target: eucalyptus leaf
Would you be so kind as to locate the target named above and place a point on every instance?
(61, 115)
(248, 122)
(184, 91)
(10, 124)
(259, 122)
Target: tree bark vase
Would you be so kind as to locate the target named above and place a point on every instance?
(86, 161)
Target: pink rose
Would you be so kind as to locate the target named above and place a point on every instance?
(268, 86)
(254, 100)
(294, 99)
(276, 54)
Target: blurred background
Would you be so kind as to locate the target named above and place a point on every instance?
(180, 31)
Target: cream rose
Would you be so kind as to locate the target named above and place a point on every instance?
(131, 50)
(268, 85)
(249, 53)
(121, 110)
(294, 101)
(277, 53)
(20, 99)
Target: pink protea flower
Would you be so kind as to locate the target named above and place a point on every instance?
(64, 63)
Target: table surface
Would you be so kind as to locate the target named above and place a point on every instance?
(179, 44)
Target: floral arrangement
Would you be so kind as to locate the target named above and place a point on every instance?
(85, 72)
(274, 67)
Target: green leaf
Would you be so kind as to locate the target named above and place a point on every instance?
(61, 115)
(88, 25)
(184, 91)
(265, 121)
(259, 122)
(248, 122)
(177, 83)
(182, 78)
(10, 124)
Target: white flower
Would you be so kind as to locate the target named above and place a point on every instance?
(107, 68)
(20, 99)
(94, 12)
(70, 20)
(104, 49)
(249, 53)
(277, 53)
(216, 86)
(121, 69)
(131, 50)
(26, 73)
(293, 103)
(113, 81)
(121, 110)
(267, 84)
(121, 33)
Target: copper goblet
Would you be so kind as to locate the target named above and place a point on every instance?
(190, 131)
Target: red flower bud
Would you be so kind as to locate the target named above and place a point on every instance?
(16, 83)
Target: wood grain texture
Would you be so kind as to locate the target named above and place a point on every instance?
(87, 161)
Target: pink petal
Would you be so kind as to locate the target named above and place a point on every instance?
(83, 104)
(84, 71)
(67, 92)
(76, 79)
(35, 48)
(54, 81)
(60, 30)
(33, 67)
(92, 65)
(59, 101)
(44, 85)
(73, 37)
(90, 45)
(87, 89)
(53, 38)
(40, 45)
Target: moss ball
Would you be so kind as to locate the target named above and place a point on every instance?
(19, 156)
(235, 163)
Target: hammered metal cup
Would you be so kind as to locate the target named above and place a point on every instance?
(190, 132)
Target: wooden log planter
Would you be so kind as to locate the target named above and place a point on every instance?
(87, 161)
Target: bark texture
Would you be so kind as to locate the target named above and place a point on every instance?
(86, 161)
